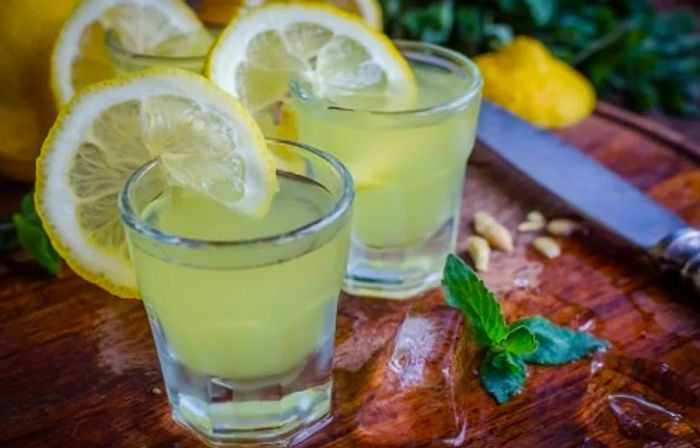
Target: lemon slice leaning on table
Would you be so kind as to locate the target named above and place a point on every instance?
(80, 57)
(205, 139)
(337, 54)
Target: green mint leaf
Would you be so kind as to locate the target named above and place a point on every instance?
(557, 344)
(503, 374)
(520, 341)
(26, 205)
(32, 237)
(507, 361)
(8, 235)
(466, 292)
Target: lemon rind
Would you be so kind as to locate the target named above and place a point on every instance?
(67, 45)
(52, 192)
(228, 50)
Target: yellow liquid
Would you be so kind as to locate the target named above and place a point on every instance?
(408, 170)
(243, 313)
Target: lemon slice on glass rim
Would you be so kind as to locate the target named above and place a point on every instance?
(80, 57)
(110, 129)
(338, 54)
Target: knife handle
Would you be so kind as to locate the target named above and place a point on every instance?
(681, 251)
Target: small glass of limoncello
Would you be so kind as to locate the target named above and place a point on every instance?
(243, 309)
(408, 167)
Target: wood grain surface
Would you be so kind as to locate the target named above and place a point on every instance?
(78, 367)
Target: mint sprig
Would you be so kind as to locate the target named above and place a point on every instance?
(533, 340)
(25, 229)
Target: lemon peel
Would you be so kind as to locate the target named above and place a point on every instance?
(80, 57)
(255, 57)
(525, 78)
(111, 128)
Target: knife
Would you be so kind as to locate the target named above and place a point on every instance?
(593, 190)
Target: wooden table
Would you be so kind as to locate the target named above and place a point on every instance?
(78, 367)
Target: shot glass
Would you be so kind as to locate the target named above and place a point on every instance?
(244, 327)
(408, 167)
(126, 61)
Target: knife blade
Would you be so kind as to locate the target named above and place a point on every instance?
(590, 188)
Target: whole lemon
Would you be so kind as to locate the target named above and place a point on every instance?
(28, 29)
(525, 78)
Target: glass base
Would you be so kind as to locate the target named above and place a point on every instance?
(269, 422)
(231, 411)
(402, 272)
(390, 288)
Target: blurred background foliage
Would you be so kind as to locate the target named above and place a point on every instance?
(632, 54)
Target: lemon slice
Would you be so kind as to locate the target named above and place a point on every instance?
(337, 55)
(79, 55)
(205, 138)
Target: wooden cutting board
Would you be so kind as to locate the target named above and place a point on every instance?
(78, 367)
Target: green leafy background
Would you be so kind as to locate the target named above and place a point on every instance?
(631, 53)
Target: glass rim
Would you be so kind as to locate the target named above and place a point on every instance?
(113, 45)
(443, 53)
(341, 206)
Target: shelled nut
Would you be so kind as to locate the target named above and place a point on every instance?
(530, 226)
(536, 216)
(480, 252)
(547, 247)
(534, 222)
(495, 233)
(563, 227)
(482, 220)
